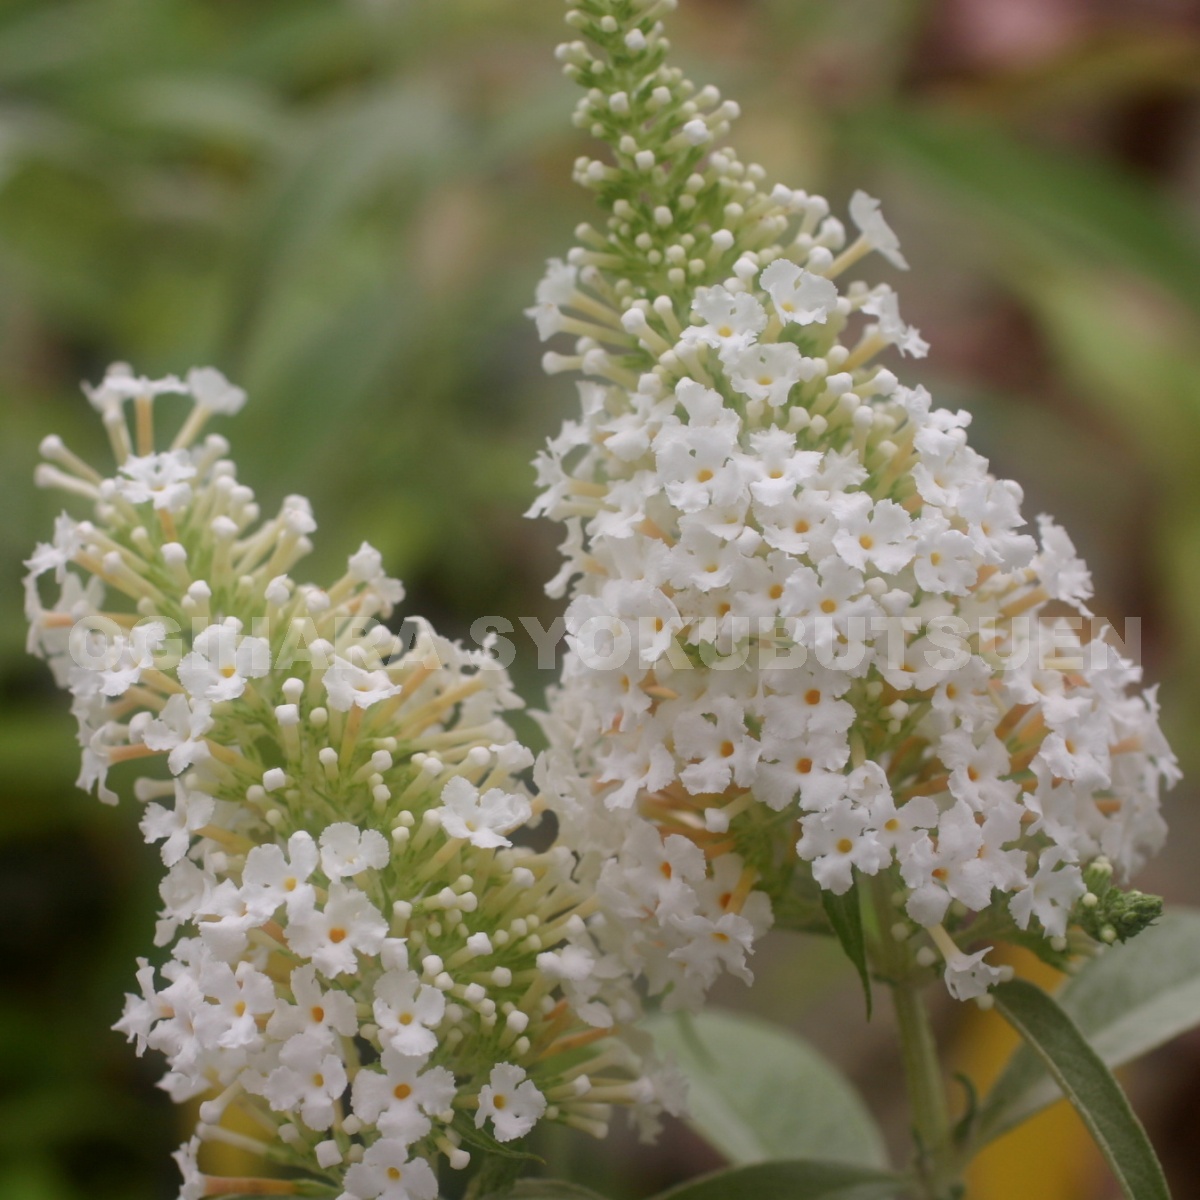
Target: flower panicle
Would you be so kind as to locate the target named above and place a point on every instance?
(362, 958)
(834, 650)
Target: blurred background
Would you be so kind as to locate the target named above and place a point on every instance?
(345, 207)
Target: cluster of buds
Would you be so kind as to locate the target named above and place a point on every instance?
(810, 642)
(359, 957)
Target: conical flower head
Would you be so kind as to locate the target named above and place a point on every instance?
(811, 634)
(362, 952)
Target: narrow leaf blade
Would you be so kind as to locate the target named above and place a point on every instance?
(845, 915)
(802, 1179)
(551, 1189)
(1088, 1084)
(1126, 1003)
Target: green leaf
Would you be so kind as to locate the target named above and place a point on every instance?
(226, 110)
(1088, 1084)
(790, 1180)
(966, 1123)
(1134, 361)
(551, 1189)
(759, 1092)
(845, 915)
(1127, 1002)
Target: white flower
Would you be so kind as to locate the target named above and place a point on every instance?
(281, 879)
(240, 996)
(129, 656)
(694, 463)
(967, 976)
(120, 384)
(399, 1099)
(1062, 573)
(317, 1012)
(967, 863)
(366, 566)
(556, 288)
(1077, 750)
(830, 605)
(800, 524)
(945, 559)
(510, 1101)
(800, 296)
(899, 828)
(864, 212)
(878, 535)
(717, 742)
(885, 305)
(180, 728)
(141, 1012)
(93, 768)
(175, 1034)
(648, 766)
(705, 561)
(195, 1183)
(485, 819)
(714, 944)
(229, 912)
(976, 772)
(653, 875)
(804, 765)
(347, 850)
(349, 922)
(1050, 894)
(349, 685)
(211, 390)
(192, 811)
(768, 371)
(387, 1173)
(309, 1078)
(183, 891)
(837, 840)
(407, 1012)
(778, 468)
(70, 536)
(731, 321)
(161, 479)
(222, 660)
(993, 510)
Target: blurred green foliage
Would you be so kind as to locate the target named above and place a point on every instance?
(345, 207)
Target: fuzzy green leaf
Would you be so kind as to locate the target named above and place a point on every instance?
(551, 1189)
(1127, 1002)
(1088, 1084)
(757, 1092)
(790, 1180)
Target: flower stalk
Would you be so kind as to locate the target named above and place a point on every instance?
(934, 1166)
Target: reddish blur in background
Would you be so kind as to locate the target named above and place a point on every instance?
(345, 206)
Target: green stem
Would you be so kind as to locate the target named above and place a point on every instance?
(936, 1171)
(927, 1095)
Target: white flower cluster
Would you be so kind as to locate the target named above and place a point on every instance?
(361, 959)
(804, 620)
